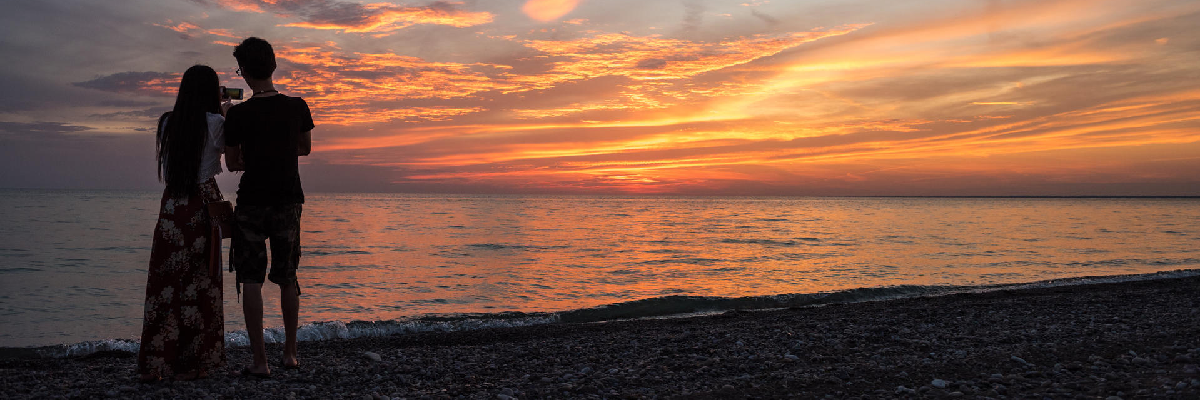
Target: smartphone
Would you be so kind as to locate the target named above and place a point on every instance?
(231, 93)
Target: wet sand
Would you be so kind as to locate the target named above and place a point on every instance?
(1128, 340)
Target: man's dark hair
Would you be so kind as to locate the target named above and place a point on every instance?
(256, 58)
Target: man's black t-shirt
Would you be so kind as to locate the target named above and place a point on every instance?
(268, 129)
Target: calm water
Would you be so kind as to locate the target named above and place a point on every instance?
(73, 264)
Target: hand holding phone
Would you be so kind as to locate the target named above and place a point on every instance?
(228, 93)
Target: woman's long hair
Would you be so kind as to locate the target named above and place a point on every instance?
(181, 138)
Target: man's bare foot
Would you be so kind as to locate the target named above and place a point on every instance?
(290, 361)
(258, 371)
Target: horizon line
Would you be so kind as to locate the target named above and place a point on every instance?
(1086, 196)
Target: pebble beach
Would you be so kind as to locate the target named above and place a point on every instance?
(1094, 341)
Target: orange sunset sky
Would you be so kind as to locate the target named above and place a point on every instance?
(744, 97)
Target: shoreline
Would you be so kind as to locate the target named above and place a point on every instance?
(672, 306)
(1125, 339)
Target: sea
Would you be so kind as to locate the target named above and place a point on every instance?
(73, 263)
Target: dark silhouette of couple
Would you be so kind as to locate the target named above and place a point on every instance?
(183, 329)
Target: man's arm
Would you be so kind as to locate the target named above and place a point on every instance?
(233, 158)
(303, 144)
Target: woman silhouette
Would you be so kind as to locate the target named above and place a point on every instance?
(183, 329)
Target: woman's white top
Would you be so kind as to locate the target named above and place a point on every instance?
(214, 147)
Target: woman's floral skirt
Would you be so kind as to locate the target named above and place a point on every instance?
(184, 326)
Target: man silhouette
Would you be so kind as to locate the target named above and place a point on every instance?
(264, 137)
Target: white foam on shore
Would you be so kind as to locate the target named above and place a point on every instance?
(91, 347)
(663, 307)
(330, 330)
(318, 331)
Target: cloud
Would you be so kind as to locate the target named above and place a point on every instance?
(693, 16)
(350, 87)
(136, 115)
(184, 28)
(653, 57)
(126, 103)
(39, 128)
(345, 16)
(189, 30)
(548, 10)
(354, 87)
(142, 83)
(764, 17)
